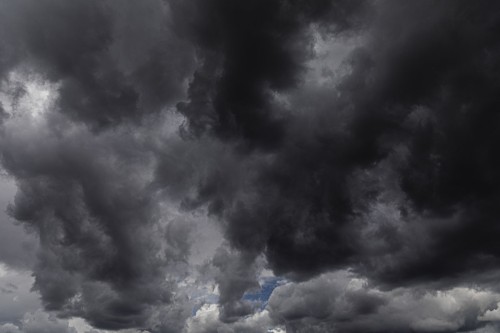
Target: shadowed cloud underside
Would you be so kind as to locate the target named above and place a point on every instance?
(249, 166)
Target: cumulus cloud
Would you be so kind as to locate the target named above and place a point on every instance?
(159, 156)
(342, 302)
(207, 320)
(17, 248)
(38, 322)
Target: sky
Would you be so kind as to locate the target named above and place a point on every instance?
(258, 166)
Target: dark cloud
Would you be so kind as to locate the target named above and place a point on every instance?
(248, 51)
(105, 244)
(236, 274)
(126, 125)
(411, 125)
(114, 62)
(17, 248)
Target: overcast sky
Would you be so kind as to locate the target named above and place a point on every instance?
(219, 166)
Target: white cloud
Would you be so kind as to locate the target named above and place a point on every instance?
(207, 320)
(491, 315)
(24, 93)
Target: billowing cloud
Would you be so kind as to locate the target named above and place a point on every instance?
(248, 52)
(38, 322)
(159, 158)
(114, 61)
(342, 302)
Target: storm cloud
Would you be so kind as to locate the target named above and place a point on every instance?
(162, 161)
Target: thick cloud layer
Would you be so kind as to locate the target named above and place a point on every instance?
(411, 128)
(114, 61)
(167, 153)
(343, 303)
(248, 52)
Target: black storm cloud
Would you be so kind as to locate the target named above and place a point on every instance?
(250, 166)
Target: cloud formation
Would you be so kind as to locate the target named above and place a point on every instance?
(340, 302)
(166, 155)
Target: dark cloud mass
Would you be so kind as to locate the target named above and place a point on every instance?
(114, 61)
(167, 155)
(248, 51)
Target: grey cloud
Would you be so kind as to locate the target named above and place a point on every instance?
(17, 247)
(341, 302)
(236, 273)
(38, 322)
(114, 61)
(9, 328)
(16, 297)
(386, 134)
(491, 328)
(104, 249)
(384, 162)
